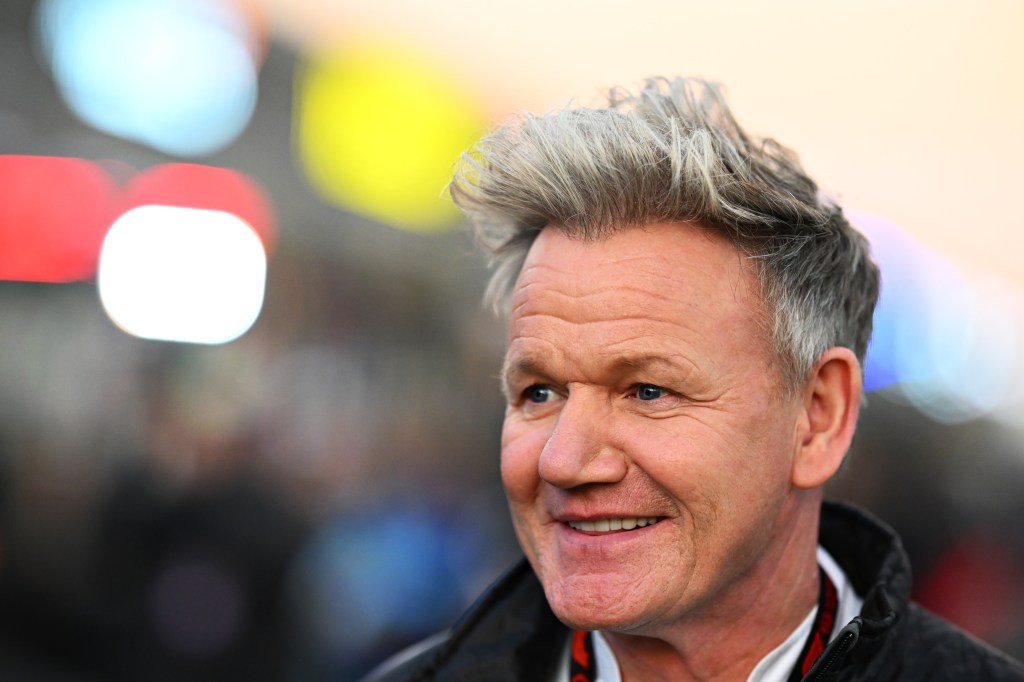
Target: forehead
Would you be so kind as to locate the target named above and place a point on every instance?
(669, 271)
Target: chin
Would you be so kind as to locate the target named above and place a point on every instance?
(581, 605)
(581, 619)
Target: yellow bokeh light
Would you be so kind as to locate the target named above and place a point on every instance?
(378, 130)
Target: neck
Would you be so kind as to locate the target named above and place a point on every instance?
(725, 640)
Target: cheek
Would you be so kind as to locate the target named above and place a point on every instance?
(710, 458)
(521, 445)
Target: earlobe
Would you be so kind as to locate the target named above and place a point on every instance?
(831, 402)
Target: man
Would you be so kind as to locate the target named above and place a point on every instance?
(688, 320)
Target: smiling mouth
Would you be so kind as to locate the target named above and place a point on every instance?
(606, 525)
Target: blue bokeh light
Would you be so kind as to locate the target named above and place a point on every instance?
(383, 572)
(177, 75)
(943, 340)
(899, 320)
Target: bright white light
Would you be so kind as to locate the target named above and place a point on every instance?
(182, 274)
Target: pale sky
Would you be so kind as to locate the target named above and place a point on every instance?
(910, 110)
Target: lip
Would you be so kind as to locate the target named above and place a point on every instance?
(565, 514)
(613, 524)
(580, 515)
(583, 540)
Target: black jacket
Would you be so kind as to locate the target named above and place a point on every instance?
(510, 634)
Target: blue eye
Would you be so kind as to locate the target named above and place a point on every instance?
(650, 392)
(538, 394)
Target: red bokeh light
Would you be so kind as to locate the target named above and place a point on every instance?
(54, 214)
(197, 186)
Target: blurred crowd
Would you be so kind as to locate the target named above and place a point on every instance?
(292, 505)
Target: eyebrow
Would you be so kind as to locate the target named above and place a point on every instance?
(526, 364)
(531, 365)
(635, 362)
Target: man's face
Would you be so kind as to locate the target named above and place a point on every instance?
(647, 445)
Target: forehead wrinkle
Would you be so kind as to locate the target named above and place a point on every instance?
(656, 356)
(637, 353)
(635, 361)
(567, 283)
(568, 276)
(525, 301)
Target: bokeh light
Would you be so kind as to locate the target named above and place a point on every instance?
(199, 186)
(371, 575)
(943, 340)
(378, 130)
(178, 75)
(54, 213)
(182, 274)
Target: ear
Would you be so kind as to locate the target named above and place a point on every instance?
(831, 401)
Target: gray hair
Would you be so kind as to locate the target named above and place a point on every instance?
(674, 153)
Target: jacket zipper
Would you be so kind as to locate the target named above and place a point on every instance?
(848, 638)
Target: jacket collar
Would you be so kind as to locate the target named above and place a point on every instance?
(509, 634)
(875, 562)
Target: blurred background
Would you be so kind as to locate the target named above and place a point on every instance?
(248, 409)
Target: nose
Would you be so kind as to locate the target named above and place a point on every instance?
(580, 449)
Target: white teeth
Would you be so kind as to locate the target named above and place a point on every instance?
(605, 525)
